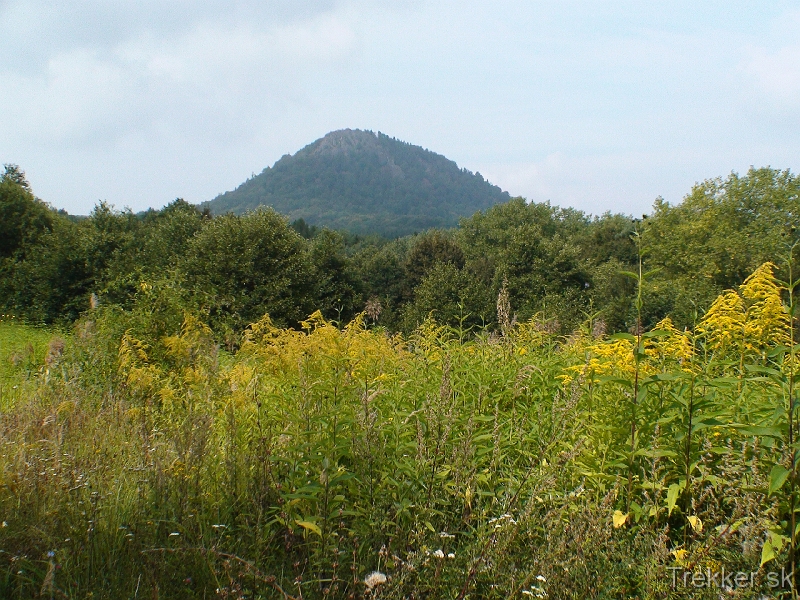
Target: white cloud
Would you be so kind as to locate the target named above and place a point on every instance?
(776, 74)
(772, 67)
(205, 74)
(625, 182)
(585, 102)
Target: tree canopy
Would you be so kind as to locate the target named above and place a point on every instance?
(556, 265)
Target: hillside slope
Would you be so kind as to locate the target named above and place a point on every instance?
(365, 183)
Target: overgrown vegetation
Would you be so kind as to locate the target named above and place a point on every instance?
(453, 462)
(487, 427)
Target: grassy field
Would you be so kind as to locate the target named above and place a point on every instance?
(23, 354)
(346, 463)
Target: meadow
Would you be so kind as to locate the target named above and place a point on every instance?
(343, 461)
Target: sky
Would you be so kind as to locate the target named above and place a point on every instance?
(596, 105)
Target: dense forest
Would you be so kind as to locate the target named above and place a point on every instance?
(535, 404)
(557, 264)
(364, 183)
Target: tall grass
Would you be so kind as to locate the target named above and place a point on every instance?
(25, 353)
(145, 464)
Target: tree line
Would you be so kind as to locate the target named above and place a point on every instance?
(557, 265)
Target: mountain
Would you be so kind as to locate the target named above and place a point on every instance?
(365, 183)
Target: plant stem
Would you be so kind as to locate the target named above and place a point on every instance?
(793, 453)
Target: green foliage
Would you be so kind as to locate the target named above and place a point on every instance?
(557, 263)
(238, 268)
(504, 447)
(452, 296)
(164, 235)
(427, 250)
(720, 233)
(493, 466)
(529, 246)
(336, 286)
(23, 218)
(53, 281)
(23, 221)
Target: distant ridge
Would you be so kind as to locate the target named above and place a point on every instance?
(365, 183)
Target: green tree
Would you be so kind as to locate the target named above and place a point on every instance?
(428, 250)
(721, 232)
(335, 285)
(238, 268)
(453, 297)
(53, 281)
(23, 218)
(533, 247)
(379, 267)
(13, 174)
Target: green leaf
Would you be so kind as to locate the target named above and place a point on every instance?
(310, 526)
(766, 370)
(663, 377)
(672, 497)
(656, 333)
(777, 477)
(759, 431)
(767, 552)
(696, 523)
(772, 547)
(618, 519)
(617, 380)
(622, 336)
(724, 381)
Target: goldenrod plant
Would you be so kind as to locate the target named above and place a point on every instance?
(341, 461)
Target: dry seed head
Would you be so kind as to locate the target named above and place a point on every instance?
(374, 579)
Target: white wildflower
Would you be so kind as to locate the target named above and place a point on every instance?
(499, 520)
(374, 579)
(451, 555)
(439, 553)
(541, 578)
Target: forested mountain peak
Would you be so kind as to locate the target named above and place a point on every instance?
(351, 143)
(365, 182)
(347, 141)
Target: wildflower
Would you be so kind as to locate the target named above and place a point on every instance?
(673, 344)
(541, 578)
(451, 555)
(439, 553)
(374, 579)
(444, 534)
(498, 521)
(680, 554)
(173, 534)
